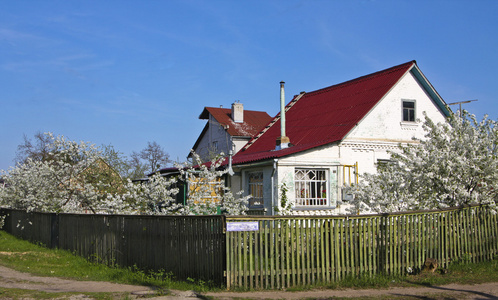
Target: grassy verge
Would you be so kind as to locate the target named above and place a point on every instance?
(458, 272)
(38, 260)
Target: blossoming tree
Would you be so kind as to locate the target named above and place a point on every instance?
(207, 191)
(61, 183)
(53, 184)
(455, 164)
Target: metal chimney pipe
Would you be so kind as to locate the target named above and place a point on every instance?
(282, 140)
(282, 109)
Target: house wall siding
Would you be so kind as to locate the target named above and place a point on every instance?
(215, 133)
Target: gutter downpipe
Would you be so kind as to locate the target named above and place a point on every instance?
(230, 170)
(275, 161)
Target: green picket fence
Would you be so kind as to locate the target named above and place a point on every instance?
(281, 252)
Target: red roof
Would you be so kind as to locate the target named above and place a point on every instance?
(324, 116)
(254, 121)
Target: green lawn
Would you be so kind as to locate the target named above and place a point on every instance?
(27, 257)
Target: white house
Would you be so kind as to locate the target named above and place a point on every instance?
(228, 129)
(332, 134)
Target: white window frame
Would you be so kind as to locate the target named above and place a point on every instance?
(257, 188)
(311, 188)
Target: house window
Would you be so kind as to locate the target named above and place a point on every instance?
(311, 187)
(408, 110)
(215, 146)
(382, 164)
(256, 189)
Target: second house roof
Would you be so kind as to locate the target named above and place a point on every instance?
(254, 121)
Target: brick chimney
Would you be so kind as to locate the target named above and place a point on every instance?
(238, 112)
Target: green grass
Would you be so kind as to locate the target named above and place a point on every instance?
(38, 260)
(458, 272)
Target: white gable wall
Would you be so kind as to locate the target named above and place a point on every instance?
(384, 122)
(382, 129)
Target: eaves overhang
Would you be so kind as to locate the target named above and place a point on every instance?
(438, 100)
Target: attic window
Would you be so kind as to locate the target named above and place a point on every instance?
(408, 110)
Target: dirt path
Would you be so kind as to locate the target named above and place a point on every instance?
(14, 279)
(10, 278)
(451, 291)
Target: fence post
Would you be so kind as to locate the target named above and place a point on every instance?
(386, 235)
(54, 231)
(227, 267)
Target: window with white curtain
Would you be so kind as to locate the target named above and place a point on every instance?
(311, 187)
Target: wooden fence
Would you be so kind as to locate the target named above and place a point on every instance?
(280, 252)
(188, 247)
(268, 252)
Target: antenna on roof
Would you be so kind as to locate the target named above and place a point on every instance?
(460, 103)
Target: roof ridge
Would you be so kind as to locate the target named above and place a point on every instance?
(362, 78)
(224, 108)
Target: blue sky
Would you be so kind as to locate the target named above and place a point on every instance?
(128, 72)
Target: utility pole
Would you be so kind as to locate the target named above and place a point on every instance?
(460, 103)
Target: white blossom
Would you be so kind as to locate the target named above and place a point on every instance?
(56, 185)
(153, 197)
(207, 193)
(455, 164)
(52, 185)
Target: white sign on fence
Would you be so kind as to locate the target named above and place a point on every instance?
(243, 226)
